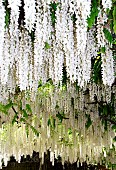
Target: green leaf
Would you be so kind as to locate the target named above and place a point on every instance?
(108, 35)
(103, 49)
(2, 109)
(39, 83)
(47, 46)
(27, 130)
(69, 131)
(114, 127)
(53, 8)
(114, 19)
(28, 108)
(96, 73)
(114, 27)
(14, 119)
(56, 107)
(60, 117)
(35, 131)
(25, 113)
(7, 18)
(22, 119)
(49, 122)
(8, 106)
(94, 13)
(91, 20)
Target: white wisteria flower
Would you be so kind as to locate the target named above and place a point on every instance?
(107, 4)
(30, 11)
(2, 25)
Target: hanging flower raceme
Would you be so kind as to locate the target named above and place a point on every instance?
(107, 4)
(30, 12)
(91, 52)
(82, 11)
(58, 45)
(23, 62)
(2, 26)
(43, 44)
(108, 67)
(14, 6)
(107, 57)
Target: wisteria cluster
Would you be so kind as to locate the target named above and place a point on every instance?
(70, 139)
(55, 45)
(61, 38)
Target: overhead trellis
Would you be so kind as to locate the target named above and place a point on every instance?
(57, 79)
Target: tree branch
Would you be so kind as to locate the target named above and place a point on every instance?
(14, 110)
